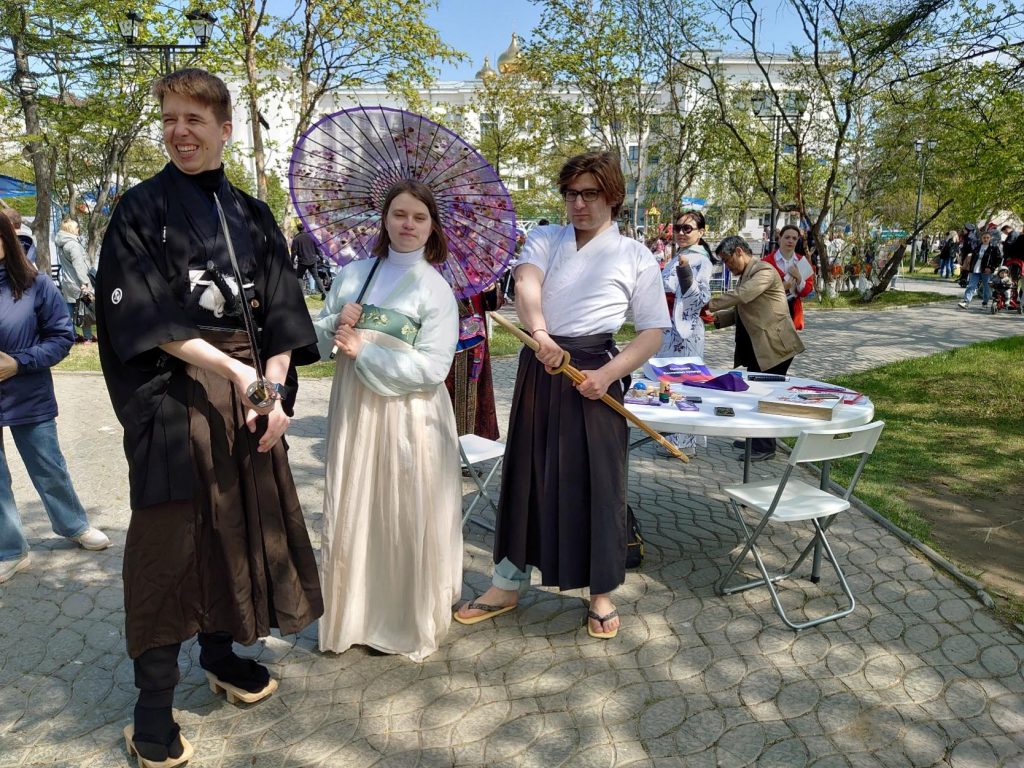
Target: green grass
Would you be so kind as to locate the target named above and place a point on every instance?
(314, 303)
(321, 370)
(83, 357)
(953, 423)
(851, 300)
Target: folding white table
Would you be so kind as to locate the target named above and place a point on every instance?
(749, 422)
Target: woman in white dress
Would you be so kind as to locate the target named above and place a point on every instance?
(391, 551)
(691, 285)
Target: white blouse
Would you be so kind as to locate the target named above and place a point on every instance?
(590, 290)
(416, 290)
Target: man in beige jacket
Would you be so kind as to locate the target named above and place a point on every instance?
(765, 337)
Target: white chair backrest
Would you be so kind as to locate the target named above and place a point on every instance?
(827, 444)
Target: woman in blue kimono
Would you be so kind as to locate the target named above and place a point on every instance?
(688, 276)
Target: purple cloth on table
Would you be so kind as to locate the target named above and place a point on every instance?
(727, 382)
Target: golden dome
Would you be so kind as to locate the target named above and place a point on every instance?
(486, 71)
(509, 60)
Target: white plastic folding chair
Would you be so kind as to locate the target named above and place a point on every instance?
(474, 450)
(790, 500)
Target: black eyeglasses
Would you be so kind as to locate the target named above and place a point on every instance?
(588, 195)
(684, 228)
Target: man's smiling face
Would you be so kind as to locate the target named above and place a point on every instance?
(193, 136)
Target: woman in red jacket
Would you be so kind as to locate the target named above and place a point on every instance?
(786, 262)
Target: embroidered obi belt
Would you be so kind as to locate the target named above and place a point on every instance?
(389, 321)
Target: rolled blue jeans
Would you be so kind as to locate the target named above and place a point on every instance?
(37, 444)
(507, 576)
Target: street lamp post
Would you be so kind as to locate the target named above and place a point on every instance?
(922, 158)
(130, 28)
(764, 107)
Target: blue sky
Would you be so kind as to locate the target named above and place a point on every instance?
(484, 28)
(481, 28)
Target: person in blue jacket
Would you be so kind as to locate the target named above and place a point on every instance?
(35, 334)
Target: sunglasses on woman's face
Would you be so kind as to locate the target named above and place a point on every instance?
(683, 228)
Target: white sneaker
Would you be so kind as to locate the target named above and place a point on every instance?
(962, 305)
(10, 567)
(92, 538)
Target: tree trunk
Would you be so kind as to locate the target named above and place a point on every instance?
(252, 76)
(893, 265)
(36, 149)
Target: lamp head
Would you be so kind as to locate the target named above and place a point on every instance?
(202, 25)
(129, 27)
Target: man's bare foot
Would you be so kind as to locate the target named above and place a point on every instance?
(491, 603)
(601, 605)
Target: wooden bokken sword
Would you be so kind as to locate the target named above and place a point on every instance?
(578, 378)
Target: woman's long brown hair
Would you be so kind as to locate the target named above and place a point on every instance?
(20, 272)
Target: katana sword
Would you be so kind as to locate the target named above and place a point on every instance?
(578, 376)
(262, 392)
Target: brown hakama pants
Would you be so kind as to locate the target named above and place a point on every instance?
(237, 558)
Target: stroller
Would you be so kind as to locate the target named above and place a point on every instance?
(1005, 288)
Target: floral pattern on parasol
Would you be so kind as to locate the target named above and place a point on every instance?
(343, 166)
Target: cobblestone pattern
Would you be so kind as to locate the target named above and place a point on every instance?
(919, 675)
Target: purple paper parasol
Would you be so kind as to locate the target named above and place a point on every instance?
(344, 165)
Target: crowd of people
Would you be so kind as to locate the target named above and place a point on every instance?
(201, 324)
(989, 261)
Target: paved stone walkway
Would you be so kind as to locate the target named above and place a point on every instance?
(919, 675)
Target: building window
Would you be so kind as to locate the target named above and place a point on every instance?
(488, 123)
(634, 153)
(594, 124)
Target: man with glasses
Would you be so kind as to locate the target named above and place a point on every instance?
(765, 337)
(563, 490)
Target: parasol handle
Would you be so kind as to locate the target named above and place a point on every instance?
(578, 377)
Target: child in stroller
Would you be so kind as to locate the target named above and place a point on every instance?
(1004, 290)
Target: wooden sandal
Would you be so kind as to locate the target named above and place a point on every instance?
(170, 762)
(490, 611)
(236, 694)
(591, 616)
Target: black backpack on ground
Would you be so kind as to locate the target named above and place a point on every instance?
(634, 541)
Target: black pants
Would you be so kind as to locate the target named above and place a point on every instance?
(767, 444)
(156, 670)
(302, 269)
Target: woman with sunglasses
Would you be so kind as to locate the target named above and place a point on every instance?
(687, 278)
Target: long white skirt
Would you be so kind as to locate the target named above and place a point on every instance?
(391, 553)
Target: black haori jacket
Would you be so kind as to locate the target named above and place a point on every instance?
(141, 287)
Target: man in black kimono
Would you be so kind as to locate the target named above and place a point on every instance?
(217, 545)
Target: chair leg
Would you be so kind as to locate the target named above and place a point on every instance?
(769, 580)
(481, 495)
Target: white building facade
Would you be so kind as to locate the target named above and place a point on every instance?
(447, 98)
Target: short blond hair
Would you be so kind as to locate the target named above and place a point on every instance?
(70, 226)
(198, 85)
